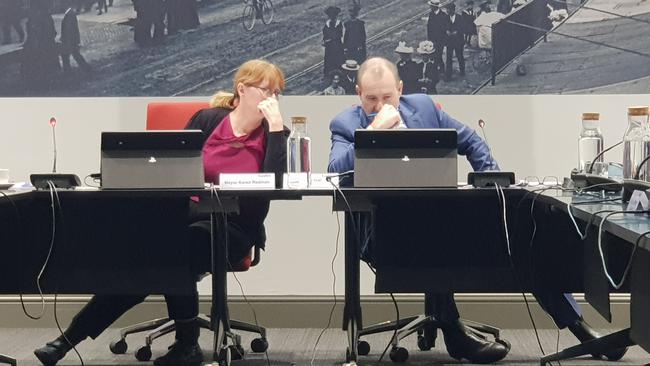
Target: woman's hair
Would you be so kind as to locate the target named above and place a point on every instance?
(252, 72)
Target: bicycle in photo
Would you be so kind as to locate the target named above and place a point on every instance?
(257, 9)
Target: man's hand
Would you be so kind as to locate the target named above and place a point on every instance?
(387, 118)
(271, 111)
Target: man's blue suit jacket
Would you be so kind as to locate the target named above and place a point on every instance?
(417, 111)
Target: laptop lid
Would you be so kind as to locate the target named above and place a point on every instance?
(152, 160)
(406, 158)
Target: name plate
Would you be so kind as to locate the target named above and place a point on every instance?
(247, 181)
(313, 181)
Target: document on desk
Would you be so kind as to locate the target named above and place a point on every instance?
(247, 181)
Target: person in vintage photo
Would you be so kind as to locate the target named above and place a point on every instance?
(11, 17)
(354, 36)
(335, 87)
(430, 76)
(437, 26)
(332, 40)
(349, 81)
(455, 42)
(408, 69)
(71, 42)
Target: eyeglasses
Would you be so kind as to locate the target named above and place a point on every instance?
(269, 92)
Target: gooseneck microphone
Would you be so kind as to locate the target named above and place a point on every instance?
(490, 177)
(53, 124)
(54, 179)
(481, 124)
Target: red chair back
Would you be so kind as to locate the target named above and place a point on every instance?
(171, 115)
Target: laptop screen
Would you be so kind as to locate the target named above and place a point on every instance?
(152, 160)
(406, 158)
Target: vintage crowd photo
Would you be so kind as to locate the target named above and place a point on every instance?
(121, 48)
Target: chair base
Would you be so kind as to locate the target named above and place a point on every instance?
(8, 360)
(162, 326)
(426, 327)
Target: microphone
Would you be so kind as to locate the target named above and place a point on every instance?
(53, 124)
(480, 178)
(481, 124)
(43, 181)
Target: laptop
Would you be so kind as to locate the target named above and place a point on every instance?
(406, 158)
(152, 160)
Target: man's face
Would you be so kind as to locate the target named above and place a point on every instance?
(375, 91)
(336, 80)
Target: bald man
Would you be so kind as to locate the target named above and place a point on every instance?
(384, 107)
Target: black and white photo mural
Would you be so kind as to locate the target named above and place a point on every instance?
(93, 48)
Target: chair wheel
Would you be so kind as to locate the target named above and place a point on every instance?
(399, 354)
(424, 344)
(119, 347)
(259, 345)
(363, 348)
(225, 356)
(143, 353)
(236, 352)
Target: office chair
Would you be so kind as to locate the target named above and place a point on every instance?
(426, 327)
(174, 116)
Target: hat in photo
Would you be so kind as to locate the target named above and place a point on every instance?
(434, 2)
(425, 48)
(332, 11)
(402, 48)
(350, 65)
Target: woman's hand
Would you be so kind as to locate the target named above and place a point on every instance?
(270, 108)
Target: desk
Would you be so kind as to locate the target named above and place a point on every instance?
(106, 242)
(456, 211)
(620, 232)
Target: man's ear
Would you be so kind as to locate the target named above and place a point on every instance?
(400, 86)
(358, 90)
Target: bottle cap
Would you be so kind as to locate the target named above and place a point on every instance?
(298, 119)
(590, 116)
(637, 111)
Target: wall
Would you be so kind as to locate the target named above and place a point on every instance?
(530, 135)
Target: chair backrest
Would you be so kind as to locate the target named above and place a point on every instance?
(171, 115)
(174, 116)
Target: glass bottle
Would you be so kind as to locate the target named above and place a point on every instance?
(636, 144)
(590, 145)
(298, 154)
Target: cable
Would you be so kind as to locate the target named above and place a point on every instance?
(512, 264)
(602, 256)
(19, 224)
(591, 166)
(215, 194)
(357, 231)
(638, 167)
(329, 320)
(397, 316)
(56, 317)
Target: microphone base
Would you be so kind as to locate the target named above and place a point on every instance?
(490, 179)
(595, 182)
(66, 181)
(631, 185)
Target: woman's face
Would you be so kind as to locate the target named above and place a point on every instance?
(251, 95)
